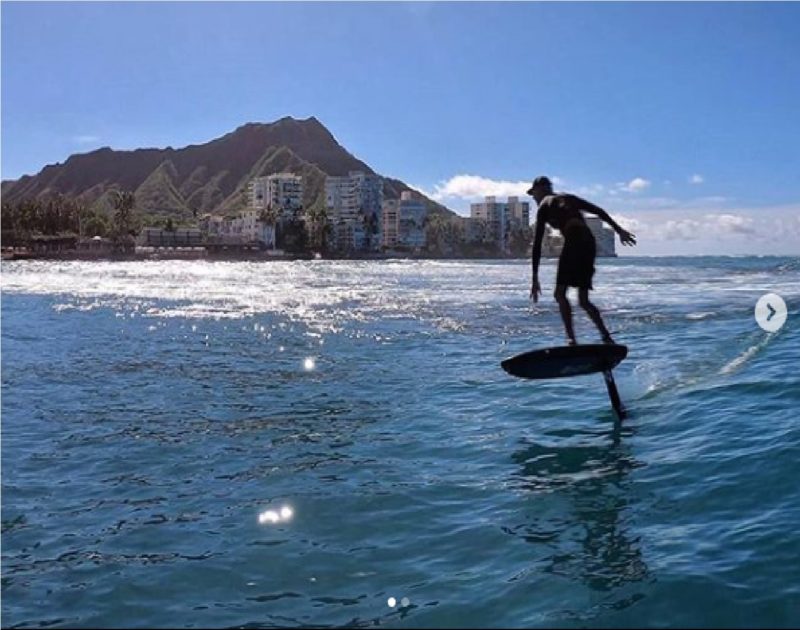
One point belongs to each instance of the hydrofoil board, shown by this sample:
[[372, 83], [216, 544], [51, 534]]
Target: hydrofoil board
[[562, 361]]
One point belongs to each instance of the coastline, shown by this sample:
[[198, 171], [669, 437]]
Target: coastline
[[246, 256]]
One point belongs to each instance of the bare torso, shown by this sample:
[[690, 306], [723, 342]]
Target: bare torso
[[562, 211]]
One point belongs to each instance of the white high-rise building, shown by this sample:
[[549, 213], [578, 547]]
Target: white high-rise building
[[355, 207], [338, 198], [519, 212], [494, 214], [391, 215], [403, 222], [281, 191], [348, 195], [501, 217], [239, 230]]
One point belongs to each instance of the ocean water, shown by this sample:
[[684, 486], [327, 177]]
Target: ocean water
[[192, 444]]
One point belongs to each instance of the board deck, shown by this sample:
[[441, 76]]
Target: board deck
[[562, 361]]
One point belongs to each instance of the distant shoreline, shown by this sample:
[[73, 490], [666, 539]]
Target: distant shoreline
[[240, 257], [261, 257]]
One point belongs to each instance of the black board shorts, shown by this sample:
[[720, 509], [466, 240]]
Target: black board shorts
[[576, 264]]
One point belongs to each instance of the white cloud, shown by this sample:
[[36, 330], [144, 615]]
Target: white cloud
[[696, 179], [637, 184], [739, 226], [693, 230], [731, 223], [630, 223], [681, 229], [708, 226], [86, 139], [475, 187]]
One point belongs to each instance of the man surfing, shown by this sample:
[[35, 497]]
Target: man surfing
[[576, 263]]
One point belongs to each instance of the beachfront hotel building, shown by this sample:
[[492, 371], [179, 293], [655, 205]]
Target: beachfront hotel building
[[403, 222], [603, 236], [391, 215], [283, 192], [353, 200], [247, 228], [519, 211], [501, 217]]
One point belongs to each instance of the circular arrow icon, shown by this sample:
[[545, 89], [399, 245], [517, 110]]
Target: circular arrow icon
[[770, 312]]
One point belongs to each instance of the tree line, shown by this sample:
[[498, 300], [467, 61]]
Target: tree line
[[63, 216]]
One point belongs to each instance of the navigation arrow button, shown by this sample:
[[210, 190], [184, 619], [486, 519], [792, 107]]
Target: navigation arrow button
[[770, 312]]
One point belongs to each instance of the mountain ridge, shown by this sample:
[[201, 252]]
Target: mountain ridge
[[204, 178]]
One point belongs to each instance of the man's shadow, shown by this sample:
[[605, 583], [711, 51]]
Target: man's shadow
[[581, 512]]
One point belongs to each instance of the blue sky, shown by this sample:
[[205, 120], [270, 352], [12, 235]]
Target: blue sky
[[682, 119]]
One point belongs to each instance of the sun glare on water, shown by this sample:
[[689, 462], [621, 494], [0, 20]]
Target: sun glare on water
[[276, 516]]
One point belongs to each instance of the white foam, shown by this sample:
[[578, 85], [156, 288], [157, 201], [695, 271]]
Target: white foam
[[701, 315], [748, 354]]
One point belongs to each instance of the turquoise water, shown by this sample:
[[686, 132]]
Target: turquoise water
[[157, 417]]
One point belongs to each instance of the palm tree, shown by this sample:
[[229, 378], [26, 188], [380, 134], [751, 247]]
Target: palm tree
[[318, 218], [268, 216], [78, 214], [31, 216], [343, 243], [434, 232], [520, 241], [373, 226], [362, 220], [95, 225], [124, 203], [11, 214], [454, 235]]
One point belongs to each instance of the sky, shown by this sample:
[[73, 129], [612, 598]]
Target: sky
[[681, 119]]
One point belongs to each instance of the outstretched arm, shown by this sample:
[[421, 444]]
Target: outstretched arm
[[624, 236], [536, 254]]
